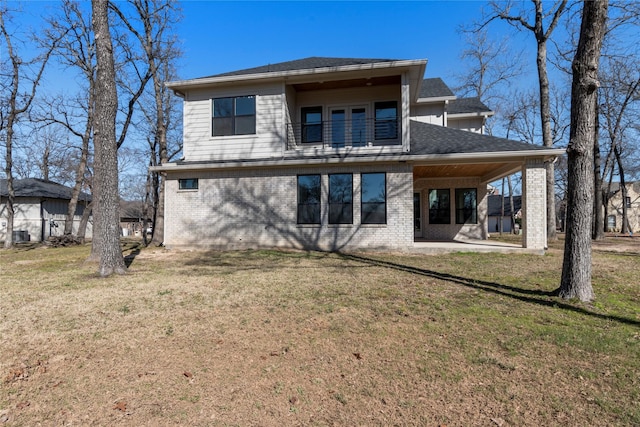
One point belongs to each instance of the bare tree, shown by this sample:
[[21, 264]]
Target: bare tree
[[542, 27], [153, 31], [106, 211], [21, 83], [576, 268]]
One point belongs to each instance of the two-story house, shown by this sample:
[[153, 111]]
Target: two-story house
[[339, 153]]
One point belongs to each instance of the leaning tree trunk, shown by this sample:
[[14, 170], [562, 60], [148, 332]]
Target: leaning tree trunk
[[576, 268], [625, 229], [598, 218], [106, 159]]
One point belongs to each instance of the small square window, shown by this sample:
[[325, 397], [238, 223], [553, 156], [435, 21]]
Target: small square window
[[188, 184]]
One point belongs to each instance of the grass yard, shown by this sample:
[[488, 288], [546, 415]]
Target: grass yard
[[276, 338]]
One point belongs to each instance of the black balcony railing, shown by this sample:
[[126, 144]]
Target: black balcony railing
[[344, 133]]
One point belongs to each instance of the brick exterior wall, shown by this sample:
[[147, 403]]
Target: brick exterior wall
[[257, 208], [453, 231], [534, 205]]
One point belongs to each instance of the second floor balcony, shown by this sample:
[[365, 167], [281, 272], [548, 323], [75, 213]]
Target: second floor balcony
[[341, 134]]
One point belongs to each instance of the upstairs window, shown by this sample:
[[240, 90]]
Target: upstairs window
[[466, 206], [341, 198], [439, 206], [234, 116], [627, 201], [374, 198], [311, 124], [386, 120], [309, 199]]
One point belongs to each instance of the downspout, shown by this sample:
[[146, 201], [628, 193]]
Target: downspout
[[445, 114]]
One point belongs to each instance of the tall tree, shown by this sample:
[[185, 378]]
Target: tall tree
[[576, 268], [542, 27], [152, 26], [21, 83], [106, 211]]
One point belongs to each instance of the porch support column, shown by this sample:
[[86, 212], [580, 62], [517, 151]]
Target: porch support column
[[534, 204], [405, 111]]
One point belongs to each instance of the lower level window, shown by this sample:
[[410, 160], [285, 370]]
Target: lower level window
[[188, 184], [309, 199], [341, 198], [439, 206], [374, 198], [466, 206]]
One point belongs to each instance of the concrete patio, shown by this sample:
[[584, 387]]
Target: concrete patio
[[440, 247]]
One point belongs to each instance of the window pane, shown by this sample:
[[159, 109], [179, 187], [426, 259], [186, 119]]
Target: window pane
[[312, 124], [223, 107], [386, 125], [188, 184], [358, 127], [466, 206], [246, 106], [338, 128], [374, 198], [340, 198], [439, 206], [309, 199], [245, 125], [222, 126]]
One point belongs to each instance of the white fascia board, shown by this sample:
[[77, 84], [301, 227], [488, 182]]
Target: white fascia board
[[467, 115], [186, 84], [435, 99], [429, 159]]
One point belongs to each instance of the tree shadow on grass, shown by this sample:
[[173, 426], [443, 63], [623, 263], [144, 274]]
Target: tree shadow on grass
[[525, 295]]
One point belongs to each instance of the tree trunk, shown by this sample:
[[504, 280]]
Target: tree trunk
[[11, 195], [598, 221], [106, 159], [82, 228], [513, 213], [623, 191], [576, 268]]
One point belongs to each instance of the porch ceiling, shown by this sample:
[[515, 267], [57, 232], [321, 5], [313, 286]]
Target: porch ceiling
[[486, 171], [327, 84]]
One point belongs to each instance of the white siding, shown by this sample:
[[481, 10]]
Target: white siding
[[268, 141], [430, 113], [472, 124]]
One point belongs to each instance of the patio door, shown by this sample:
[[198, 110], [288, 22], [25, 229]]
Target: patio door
[[348, 126]]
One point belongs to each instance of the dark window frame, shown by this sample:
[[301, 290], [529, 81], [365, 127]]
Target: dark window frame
[[302, 207], [188, 184], [385, 128], [466, 215], [440, 215], [340, 212], [366, 213], [311, 132], [234, 117]]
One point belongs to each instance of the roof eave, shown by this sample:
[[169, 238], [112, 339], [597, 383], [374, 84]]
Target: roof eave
[[483, 157], [434, 99], [180, 85], [474, 114]]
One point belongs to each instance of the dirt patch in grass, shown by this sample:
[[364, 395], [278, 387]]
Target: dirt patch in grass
[[302, 338]]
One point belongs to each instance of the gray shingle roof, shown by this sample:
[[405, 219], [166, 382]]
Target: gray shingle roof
[[467, 105], [33, 187], [433, 139], [495, 205], [303, 64], [434, 88]]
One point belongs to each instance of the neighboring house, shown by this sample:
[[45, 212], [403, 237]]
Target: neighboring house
[[495, 212], [40, 209], [132, 218], [339, 153], [614, 211]]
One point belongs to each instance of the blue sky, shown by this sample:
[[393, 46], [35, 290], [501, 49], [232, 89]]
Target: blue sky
[[226, 36], [220, 36]]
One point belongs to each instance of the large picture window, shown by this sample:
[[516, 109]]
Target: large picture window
[[386, 116], [374, 198], [311, 124], [439, 206], [341, 198], [466, 206], [234, 116], [309, 199]]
